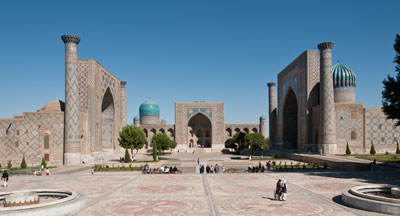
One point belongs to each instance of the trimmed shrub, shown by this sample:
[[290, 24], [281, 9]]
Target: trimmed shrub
[[397, 150], [23, 163], [127, 158], [348, 152], [9, 165], [43, 163], [372, 151]]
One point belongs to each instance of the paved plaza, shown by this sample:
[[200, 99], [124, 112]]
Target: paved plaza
[[132, 193]]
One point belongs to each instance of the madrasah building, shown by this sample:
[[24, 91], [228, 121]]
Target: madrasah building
[[314, 111]]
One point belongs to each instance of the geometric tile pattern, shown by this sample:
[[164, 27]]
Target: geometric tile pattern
[[381, 131], [24, 137], [327, 119], [72, 130]]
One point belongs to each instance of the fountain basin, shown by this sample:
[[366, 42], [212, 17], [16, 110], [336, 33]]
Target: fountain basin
[[52, 202], [374, 198], [20, 199]]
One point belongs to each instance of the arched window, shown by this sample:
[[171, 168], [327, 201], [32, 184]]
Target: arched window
[[145, 132], [246, 130], [254, 130], [229, 132], [46, 142], [353, 135]]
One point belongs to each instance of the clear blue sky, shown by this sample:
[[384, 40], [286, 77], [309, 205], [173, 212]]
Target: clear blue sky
[[190, 50]]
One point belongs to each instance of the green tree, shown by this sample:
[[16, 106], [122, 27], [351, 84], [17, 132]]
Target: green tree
[[161, 141], [23, 163], [172, 144], [255, 141], [348, 152], [238, 141], [43, 162], [397, 150], [132, 138], [372, 151], [391, 88], [127, 157]]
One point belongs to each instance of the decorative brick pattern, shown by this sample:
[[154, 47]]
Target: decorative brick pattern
[[24, 137]]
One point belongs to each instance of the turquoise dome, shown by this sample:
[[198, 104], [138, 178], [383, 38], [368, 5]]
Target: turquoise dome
[[136, 118], [149, 107], [343, 76], [263, 117]]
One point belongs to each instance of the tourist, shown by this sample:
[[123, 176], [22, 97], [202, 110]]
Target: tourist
[[162, 169], [370, 167], [249, 169], [278, 189], [202, 169], [47, 172], [269, 165], [273, 165], [259, 165], [198, 161], [4, 177], [166, 170], [216, 168], [223, 169], [262, 168], [92, 171], [374, 165], [207, 169], [284, 191]]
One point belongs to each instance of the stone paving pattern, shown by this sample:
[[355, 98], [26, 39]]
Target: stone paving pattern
[[131, 193]]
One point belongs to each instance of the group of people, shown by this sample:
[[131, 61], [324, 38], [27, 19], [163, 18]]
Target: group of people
[[209, 169], [163, 169], [281, 190], [261, 168]]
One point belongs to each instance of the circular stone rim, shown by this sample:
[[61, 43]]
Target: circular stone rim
[[72, 195]]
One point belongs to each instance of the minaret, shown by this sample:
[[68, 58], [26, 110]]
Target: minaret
[[123, 104], [272, 112], [72, 145], [262, 126], [327, 125]]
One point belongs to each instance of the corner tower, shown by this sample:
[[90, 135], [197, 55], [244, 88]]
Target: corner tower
[[327, 109], [72, 145]]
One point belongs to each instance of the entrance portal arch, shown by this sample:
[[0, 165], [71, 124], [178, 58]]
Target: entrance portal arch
[[290, 118], [201, 125], [107, 120]]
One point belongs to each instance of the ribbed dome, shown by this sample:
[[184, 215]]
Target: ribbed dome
[[149, 107], [343, 76], [136, 118], [263, 117], [54, 105]]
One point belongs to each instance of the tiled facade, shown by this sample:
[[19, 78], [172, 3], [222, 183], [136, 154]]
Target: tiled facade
[[354, 124], [94, 113], [220, 133]]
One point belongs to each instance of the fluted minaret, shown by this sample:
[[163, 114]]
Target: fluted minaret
[[272, 112], [72, 145], [123, 104], [327, 108]]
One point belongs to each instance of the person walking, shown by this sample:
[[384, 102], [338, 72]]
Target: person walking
[[4, 177], [198, 161], [284, 191], [278, 189], [47, 172], [202, 169], [92, 171], [211, 169]]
